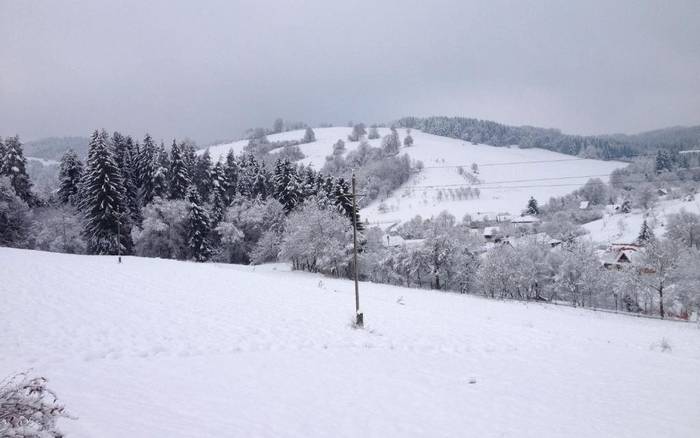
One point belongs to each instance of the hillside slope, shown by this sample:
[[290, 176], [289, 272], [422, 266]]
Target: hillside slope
[[507, 176], [165, 348]]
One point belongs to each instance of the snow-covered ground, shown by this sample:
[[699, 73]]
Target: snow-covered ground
[[624, 228], [507, 176], [155, 348]]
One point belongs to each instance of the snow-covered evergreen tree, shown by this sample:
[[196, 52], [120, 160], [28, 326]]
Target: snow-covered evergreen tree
[[231, 170], [197, 227], [145, 170], [286, 185], [102, 202], [219, 186], [179, 175], [262, 185], [645, 234], [123, 150], [373, 132], [14, 166], [203, 175], [159, 178], [532, 207], [69, 176]]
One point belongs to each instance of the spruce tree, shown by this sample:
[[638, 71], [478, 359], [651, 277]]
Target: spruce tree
[[231, 170], [373, 132], [261, 186], [532, 207], [248, 173], [203, 175], [2, 152], [145, 171], [645, 234], [123, 149], [286, 185], [159, 179], [179, 173], [219, 193], [197, 227], [106, 225], [343, 201], [70, 173], [14, 166]]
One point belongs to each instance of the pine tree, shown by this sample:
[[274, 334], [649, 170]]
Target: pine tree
[[145, 171], [248, 173], [102, 201], [203, 175], [663, 161], [309, 136], [532, 207], [197, 227], [14, 166], [179, 173], [373, 132], [343, 201], [189, 152], [70, 173], [219, 193], [309, 186], [645, 234], [261, 186], [286, 185], [231, 170], [3, 151], [123, 149], [159, 178]]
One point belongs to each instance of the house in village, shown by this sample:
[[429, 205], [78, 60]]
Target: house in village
[[492, 234], [620, 255], [525, 220]]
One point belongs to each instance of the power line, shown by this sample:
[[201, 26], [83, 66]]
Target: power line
[[490, 183], [504, 163]]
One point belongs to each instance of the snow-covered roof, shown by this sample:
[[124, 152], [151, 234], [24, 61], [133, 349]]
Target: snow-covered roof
[[526, 219], [583, 205]]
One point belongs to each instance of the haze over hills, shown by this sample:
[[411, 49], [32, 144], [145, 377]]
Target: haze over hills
[[674, 138]]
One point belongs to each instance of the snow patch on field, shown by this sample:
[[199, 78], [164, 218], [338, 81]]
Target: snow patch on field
[[164, 348]]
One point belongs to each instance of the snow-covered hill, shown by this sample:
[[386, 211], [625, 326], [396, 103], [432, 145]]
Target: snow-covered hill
[[154, 348], [507, 177], [624, 228]]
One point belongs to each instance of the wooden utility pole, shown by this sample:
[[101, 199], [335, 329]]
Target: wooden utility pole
[[359, 321]]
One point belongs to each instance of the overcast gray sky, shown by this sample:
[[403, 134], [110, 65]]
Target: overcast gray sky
[[209, 69]]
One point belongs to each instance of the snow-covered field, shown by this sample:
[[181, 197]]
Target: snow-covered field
[[507, 176], [624, 228], [159, 348]]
